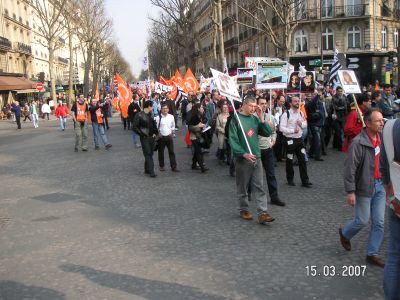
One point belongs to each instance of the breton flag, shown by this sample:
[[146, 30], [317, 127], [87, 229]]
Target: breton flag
[[180, 95], [333, 76]]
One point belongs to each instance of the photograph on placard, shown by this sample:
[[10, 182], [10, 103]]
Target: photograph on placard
[[226, 85], [349, 82]]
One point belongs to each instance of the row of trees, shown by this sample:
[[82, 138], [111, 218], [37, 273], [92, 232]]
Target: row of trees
[[87, 28], [173, 34]]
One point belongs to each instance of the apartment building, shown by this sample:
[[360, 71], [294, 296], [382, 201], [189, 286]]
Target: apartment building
[[366, 31]]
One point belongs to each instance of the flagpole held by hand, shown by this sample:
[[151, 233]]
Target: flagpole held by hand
[[241, 127]]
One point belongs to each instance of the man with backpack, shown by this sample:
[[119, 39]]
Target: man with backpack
[[292, 124]]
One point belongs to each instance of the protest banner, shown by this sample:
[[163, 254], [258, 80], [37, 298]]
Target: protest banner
[[226, 86], [245, 76], [272, 75]]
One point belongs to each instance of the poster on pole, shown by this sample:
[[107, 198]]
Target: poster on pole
[[272, 75], [349, 82], [226, 86], [245, 76], [251, 62], [298, 84]]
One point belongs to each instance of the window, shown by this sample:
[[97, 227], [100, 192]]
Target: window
[[6, 12], [327, 39], [20, 20], [14, 16], [354, 37], [396, 38], [300, 41], [300, 7], [327, 8], [384, 37]]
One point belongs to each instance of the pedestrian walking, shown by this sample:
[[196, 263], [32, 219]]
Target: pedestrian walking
[[267, 154], [196, 124], [79, 113], [16, 109], [145, 126], [292, 125], [166, 131], [96, 115], [34, 113], [46, 111], [249, 169], [61, 113], [364, 187]]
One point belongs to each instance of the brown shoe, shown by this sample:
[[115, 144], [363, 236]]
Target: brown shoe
[[246, 215], [375, 260], [265, 218], [162, 169], [345, 242]]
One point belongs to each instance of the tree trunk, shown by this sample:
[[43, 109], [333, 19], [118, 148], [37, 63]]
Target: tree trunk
[[71, 68], [215, 33], [220, 35], [51, 71], [88, 64], [95, 68]]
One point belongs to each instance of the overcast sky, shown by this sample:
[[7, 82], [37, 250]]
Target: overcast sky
[[130, 18]]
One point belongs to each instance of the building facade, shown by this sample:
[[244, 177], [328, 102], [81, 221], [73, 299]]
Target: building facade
[[366, 31]]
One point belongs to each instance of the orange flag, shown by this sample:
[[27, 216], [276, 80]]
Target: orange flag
[[178, 80], [190, 81], [124, 96]]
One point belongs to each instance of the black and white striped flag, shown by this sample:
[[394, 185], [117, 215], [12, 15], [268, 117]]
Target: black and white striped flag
[[180, 95], [333, 76]]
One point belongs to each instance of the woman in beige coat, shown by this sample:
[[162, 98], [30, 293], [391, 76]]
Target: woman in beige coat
[[220, 130]]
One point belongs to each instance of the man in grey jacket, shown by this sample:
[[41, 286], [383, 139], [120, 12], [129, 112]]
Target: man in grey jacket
[[364, 187]]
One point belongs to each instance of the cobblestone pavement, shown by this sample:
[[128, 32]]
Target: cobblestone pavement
[[91, 226]]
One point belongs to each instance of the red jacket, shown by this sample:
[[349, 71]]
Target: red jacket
[[61, 111], [352, 128]]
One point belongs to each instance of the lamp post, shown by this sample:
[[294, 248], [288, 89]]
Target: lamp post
[[320, 28]]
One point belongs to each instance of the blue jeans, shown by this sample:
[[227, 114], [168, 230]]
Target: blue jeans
[[135, 138], [364, 208], [98, 129], [391, 281], [63, 121]]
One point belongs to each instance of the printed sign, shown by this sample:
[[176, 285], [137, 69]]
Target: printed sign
[[226, 85], [245, 76], [349, 82], [272, 75], [251, 62], [162, 88], [296, 84]]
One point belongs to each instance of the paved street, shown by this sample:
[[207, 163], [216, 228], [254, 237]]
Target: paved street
[[91, 226]]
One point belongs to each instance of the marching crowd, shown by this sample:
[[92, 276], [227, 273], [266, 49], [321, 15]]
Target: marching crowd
[[265, 128]]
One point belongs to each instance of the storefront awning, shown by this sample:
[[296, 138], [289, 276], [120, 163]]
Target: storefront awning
[[11, 83], [27, 91]]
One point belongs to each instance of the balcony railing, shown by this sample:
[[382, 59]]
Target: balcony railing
[[5, 44], [333, 12], [23, 48], [231, 42], [62, 60]]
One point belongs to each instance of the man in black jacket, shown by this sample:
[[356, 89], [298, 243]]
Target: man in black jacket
[[133, 109], [145, 126]]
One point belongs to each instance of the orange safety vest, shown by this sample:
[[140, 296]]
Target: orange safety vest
[[99, 116], [80, 112]]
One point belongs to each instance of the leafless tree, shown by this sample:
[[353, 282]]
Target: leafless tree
[[93, 24], [51, 27], [277, 19]]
